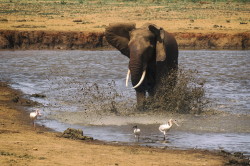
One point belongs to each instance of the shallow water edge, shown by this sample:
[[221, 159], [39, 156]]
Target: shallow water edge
[[60, 75]]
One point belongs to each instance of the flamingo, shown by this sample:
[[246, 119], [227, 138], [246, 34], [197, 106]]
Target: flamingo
[[137, 132], [164, 128], [33, 115]]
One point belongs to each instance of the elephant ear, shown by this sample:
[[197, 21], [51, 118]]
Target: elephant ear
[[117, 35], [160, 45]]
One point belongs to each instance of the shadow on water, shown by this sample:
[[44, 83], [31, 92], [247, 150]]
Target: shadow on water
[[86, 89]]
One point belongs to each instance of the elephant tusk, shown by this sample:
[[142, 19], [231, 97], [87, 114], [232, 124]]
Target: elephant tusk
[[127, 78], [141, 80]]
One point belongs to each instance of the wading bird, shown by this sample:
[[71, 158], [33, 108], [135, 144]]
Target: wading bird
[[137, 132], [33, 115], [164, 128]]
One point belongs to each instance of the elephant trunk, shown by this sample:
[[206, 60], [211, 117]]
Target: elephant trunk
[[137, 74], [136, 69]]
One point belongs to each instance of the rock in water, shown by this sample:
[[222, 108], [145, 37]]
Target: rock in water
[[76, 134]]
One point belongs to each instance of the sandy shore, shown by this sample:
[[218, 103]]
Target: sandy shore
[[22, 144]]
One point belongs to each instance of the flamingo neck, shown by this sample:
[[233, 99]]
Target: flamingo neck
[[170, 123]]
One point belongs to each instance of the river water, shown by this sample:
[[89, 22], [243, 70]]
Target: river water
[[70, 78]]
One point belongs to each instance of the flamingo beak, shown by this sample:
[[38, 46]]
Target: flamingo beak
[[176, 123]]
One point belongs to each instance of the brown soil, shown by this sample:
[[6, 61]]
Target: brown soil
[[22, 144], [66, 24], [51, 40]]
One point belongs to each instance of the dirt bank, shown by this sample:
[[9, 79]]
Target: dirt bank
[[21, 144], [10, 39], [235, 41], [50, 40]]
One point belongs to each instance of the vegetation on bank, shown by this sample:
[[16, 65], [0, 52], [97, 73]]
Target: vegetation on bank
[[94, 15], [153, 1], [117, 1]]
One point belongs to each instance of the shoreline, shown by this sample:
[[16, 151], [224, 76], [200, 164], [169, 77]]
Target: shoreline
[[21, 144], [80, 40]]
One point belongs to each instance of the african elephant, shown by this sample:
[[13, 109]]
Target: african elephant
[[153, 54]]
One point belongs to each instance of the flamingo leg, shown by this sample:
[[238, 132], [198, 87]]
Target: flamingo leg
[[34, 124]]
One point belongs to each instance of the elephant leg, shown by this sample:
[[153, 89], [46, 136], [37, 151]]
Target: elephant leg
[[151, 94], [141, 99]]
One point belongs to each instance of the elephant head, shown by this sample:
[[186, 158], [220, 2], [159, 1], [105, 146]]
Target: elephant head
[[151, 50]]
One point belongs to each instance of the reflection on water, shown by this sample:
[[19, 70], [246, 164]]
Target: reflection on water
[[61, 75]]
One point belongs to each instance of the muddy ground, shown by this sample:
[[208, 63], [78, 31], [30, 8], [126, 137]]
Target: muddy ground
[[22, 144]]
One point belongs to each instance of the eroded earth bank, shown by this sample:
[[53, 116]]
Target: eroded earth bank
[[11, 39]]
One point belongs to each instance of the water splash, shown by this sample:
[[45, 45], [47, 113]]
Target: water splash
[[187, 96]]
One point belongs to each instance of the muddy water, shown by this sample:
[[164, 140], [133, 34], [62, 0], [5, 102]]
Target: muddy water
[[70, 78]]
